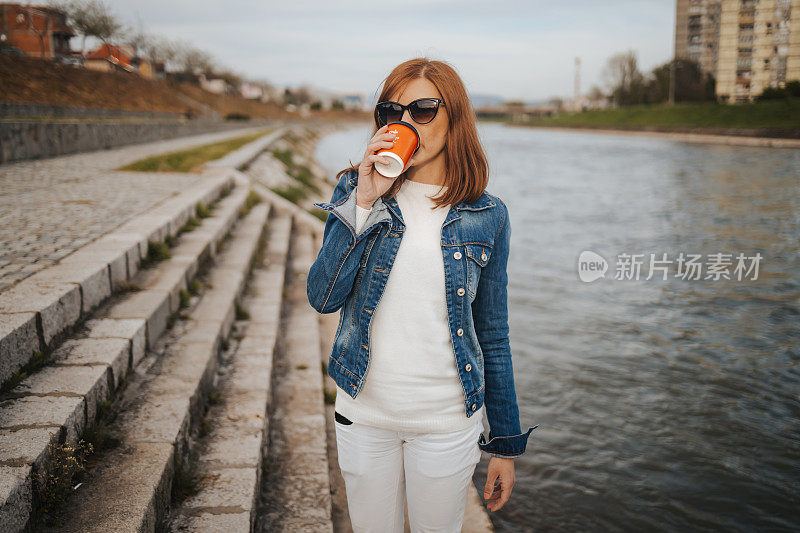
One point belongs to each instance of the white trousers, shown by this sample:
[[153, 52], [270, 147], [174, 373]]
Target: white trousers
[[382, 467]]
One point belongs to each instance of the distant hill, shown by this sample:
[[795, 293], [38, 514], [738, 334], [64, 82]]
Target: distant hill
[[484, 100]]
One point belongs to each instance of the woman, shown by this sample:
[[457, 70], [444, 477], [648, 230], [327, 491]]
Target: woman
[[421, 283]]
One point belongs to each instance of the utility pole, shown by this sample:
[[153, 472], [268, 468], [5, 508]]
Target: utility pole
[[672, 82], [578, 103], [671, 97]]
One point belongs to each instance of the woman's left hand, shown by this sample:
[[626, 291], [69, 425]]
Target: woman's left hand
[[502, 470]]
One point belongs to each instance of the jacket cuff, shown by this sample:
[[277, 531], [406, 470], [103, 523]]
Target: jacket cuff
[[346, 211], [506, 446], [361, 217]]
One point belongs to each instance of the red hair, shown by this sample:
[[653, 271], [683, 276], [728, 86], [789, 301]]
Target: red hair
[[466, 166]]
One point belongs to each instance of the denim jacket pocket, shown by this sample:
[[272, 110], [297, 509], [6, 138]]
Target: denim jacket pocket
[[478, 255]]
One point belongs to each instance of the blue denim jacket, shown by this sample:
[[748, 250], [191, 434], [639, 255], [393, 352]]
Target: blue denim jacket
[[350, 273]]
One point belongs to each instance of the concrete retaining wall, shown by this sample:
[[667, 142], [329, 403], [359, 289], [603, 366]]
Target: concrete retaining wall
[[29, 110], [22, 140]]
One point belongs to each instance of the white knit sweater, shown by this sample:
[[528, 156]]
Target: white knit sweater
[[411, 382]]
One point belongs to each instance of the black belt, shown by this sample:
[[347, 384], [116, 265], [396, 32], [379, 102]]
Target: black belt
[[341, 419]]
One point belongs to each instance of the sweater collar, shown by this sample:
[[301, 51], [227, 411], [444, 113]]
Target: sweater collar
[[484, 200]]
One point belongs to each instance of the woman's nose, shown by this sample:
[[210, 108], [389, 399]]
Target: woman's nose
[[406, 116]]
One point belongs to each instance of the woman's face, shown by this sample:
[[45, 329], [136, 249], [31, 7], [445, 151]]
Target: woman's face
[[432, 135]]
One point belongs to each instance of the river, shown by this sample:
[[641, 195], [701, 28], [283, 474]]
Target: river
[[663, 405]]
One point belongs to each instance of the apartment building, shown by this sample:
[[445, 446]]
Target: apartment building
[[697, 32], [748, 45]]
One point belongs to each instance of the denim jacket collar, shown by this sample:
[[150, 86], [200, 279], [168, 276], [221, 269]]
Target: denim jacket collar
[[484, 201]]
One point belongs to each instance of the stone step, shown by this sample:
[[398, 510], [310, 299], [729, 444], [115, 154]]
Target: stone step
[[129, 487], [230, 457], [41, 310], [297, 490], [56, 403]]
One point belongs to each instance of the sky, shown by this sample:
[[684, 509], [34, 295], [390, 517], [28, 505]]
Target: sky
[[521, 50]]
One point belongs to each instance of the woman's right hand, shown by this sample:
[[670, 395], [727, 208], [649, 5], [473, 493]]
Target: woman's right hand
[[371, 183]]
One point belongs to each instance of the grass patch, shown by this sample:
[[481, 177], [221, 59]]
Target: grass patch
[[156, 251], [184, 297], [202, 210], [261, 251], [194, 287], [36, 362], [284, 156], [191, 159], [215, 398], [330, 396], [185, 482], [303, 174], [98, 433], [129, 287], [242, 313], [319, 213], [252, 199], [190, 225], [769, 114], [55, 482], [293, 193]]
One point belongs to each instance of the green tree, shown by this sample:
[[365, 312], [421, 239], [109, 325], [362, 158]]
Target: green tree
[[692, 84]]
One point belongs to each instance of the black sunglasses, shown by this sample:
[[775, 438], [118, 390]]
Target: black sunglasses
[[422, 110]]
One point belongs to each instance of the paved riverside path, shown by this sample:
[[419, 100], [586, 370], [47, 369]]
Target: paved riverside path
[[51, 207]]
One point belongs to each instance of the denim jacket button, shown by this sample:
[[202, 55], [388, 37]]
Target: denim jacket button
[[483, 256], [468, 367], [460, 291], [460, 332], [473, 407], [457, 255]]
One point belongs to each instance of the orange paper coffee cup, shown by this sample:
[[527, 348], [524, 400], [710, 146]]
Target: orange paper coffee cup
[[399, 155]]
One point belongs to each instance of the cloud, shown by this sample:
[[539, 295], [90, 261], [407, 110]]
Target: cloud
[[518, 49]]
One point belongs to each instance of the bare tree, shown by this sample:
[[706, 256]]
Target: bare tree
[[595, 94], [623, 78], [230, 76], [136, 37], [91, 18], [192, 60], [262, 82], [298, 96], [302, 95], [160, 49], [104, 24]]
